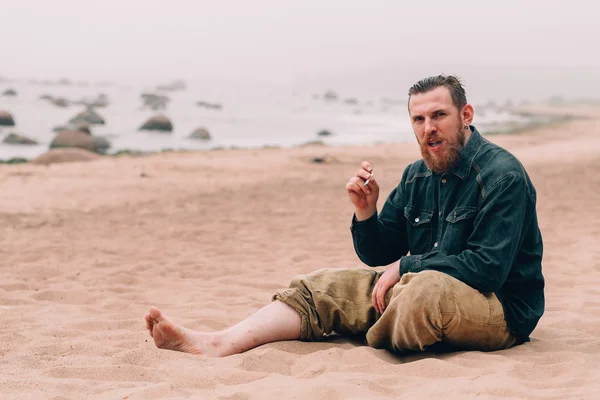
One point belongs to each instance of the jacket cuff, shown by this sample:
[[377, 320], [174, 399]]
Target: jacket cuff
[[410, 264], [364, 226]]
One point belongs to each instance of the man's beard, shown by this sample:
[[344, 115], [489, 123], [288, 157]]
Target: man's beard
[[450, 158]]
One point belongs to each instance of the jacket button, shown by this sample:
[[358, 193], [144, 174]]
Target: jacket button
[[435, 244], [444, 180], [417, 219]]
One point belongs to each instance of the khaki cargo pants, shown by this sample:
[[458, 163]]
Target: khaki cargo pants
[[422, 310]]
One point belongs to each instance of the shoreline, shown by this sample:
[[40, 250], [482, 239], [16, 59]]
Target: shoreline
[[540, 115]]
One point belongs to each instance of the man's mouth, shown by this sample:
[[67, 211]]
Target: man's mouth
[[434, 143]]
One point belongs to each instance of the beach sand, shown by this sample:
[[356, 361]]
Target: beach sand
[[87, 248]]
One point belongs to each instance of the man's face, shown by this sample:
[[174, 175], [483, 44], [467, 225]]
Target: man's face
[[439, 128]]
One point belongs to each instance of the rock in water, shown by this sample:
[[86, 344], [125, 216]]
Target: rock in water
[[212, 106], [330, 95], [74, 139], [155, 101], [60, 102], [83, 127], [100, 101], [13, 138], [173, 86], [6, 119], [157, 123], [102, 144], [9, 92], [200, 133], [324, 132], [89, 116]]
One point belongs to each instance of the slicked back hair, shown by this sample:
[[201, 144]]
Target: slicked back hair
[[453, 83]]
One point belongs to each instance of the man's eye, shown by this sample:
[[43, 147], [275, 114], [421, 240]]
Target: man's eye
[[440, 114]]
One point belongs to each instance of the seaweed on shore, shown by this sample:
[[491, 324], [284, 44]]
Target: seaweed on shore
[[15, 160]]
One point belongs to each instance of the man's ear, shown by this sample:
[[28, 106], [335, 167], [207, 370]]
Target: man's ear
[[468, 113]]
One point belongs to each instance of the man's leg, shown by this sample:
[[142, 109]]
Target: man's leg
[[314, 305], [272, 323], [332, 300], [431, 307]]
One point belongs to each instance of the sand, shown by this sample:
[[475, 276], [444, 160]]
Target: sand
[[87, 247]]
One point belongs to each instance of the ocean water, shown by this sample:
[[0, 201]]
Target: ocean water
[[252, 116]]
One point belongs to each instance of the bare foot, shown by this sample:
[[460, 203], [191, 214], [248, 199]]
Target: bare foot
[[168, 335]]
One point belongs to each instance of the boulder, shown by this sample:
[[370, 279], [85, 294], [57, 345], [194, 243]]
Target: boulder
[[65, 155], [13, 138], [60, 102], [102, 144], [83, 127], [154, 101], [6, 119], [98, 102], [157, 123], [9, 92], [89, 116], [200, 133], [172, 86], [210, 106], [74, 139], [330, 95]]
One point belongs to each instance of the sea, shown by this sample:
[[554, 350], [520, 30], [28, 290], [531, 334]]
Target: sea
[[250, 115]]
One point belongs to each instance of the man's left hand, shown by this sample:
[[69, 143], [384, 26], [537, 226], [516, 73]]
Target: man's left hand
[[385, 283]]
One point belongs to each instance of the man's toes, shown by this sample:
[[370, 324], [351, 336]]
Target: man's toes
[[157, 314], [148, 318]]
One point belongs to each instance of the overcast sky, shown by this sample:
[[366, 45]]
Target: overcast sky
[[289, 40]]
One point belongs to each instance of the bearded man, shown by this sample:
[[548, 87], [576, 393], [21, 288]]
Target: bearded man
[[463, 225]]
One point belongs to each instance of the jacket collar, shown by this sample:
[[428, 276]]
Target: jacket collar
[[468, 153]]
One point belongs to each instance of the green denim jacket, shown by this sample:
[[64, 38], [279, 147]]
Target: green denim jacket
[[477, 223]]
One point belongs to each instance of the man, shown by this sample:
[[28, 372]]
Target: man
[[473, 280]]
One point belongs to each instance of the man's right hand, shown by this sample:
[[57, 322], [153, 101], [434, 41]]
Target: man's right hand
[[364, 198]]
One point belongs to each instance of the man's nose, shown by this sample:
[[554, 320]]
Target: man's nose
[[429, 126]]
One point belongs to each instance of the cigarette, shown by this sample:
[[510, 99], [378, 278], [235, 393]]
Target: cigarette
[[368, 180]]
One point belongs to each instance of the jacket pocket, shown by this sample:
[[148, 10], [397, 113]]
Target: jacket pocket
[[419, 229], [459, 226]]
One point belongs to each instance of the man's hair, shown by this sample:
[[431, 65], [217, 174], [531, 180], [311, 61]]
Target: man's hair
[[453, 83]]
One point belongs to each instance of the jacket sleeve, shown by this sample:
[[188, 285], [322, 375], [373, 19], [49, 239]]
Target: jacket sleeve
[[381, 239], [491, 247]]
